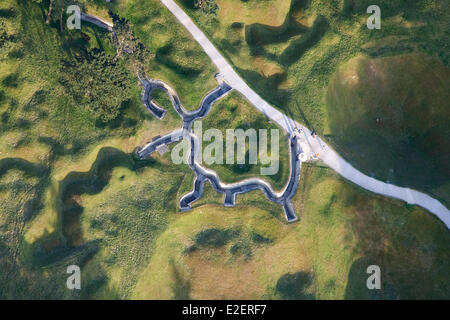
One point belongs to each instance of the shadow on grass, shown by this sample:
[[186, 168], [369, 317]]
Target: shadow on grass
[[181, 287], [32, 206], [267, 87], [293, 286], [165, 55], [91, 182], [7, 13], [298, 47], [257, 34], [11, 81]]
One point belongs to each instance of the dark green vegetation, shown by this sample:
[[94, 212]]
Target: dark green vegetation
[[126, 43], [292, 65], [98, 82]]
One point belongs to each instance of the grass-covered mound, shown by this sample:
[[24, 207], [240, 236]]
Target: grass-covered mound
[[389, 117]]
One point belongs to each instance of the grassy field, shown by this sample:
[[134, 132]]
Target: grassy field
[[218, 253], [293, 63]]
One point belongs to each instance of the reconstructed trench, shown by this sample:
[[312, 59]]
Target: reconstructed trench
[[202, 174]]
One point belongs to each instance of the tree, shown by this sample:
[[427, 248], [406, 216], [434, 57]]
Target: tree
[[56, 12], [98, 83], [49, 13], [54, 6]]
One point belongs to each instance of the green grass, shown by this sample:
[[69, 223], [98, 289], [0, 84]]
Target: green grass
[[127, 216]]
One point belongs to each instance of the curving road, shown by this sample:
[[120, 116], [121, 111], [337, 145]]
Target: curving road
[[202, 174], [312, 145]]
